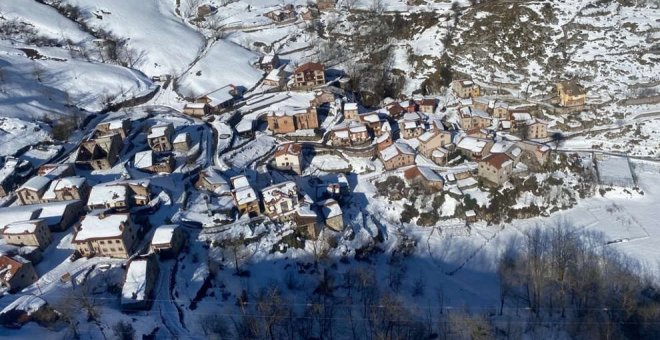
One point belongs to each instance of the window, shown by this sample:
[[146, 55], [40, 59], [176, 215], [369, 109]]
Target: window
[[112, 249], [117, 241]]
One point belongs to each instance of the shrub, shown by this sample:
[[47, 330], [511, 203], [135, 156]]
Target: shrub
[[409, 212]]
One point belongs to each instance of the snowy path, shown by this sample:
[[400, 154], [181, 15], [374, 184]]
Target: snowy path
[[168, 312]]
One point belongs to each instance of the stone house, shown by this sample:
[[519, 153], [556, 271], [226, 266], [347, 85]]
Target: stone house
[[332, 214], [432, 140], [464, 88], [197, 109], [473, 119], [101, 234], [67, 189], [383, 141], [168, 240], [373, 123], [137, 293], [280, 200], [397, 155], [308, 75], [245, 197], [501, 110], [33, 190], [100, 153], [351, 111], [424, 176], [276, 78], [269, 62], [428, 105], [571, 94], [291, 119], [148, 162], [474, 148], [324, 5], [496, 168], [160, 137], [439, 156], [289, 157], [28, 233], [306, 220], [210, 180], [55, 170], [16, 273], [182, 142], [119, 126], [395, 110], [57, 215], [537, 129], [282, 14], [349, 133]]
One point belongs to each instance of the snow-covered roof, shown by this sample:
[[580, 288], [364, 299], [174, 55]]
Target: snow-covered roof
[[330, 208], [96, 225], [268, 58], [358, 128], [426, 136], [410, 125], [143, 159], [74, 182], [350, 107], [27, 303], [341, 134], [102, 194], [245, 195], [395, 149], [472, 144], [499, 104], [386, 126], [276, 191], [135, 285], [274, 75], [181, 138], [440, 152], [158, 130], [370, 117], [470, 213], [239, 182], [521, 116], [22, 227], [502, 146], [413, 116], [36, 183], [467, 182], [480, 113], [195, 106], [429, 174], [385, 136], [288, 111], [50, 212], [163, 234]]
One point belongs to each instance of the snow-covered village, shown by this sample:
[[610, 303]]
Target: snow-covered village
[[329, 169]]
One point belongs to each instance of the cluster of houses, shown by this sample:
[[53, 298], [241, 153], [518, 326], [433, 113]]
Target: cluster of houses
[[102, 215], [282, 202]]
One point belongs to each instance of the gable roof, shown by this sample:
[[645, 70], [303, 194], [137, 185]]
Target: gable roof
[[498, 160], [309, 67]]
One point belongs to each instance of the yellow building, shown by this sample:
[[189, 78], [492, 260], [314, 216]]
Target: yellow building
[[571, 93]]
